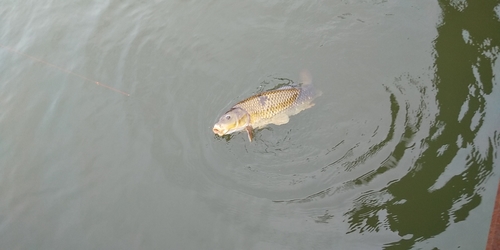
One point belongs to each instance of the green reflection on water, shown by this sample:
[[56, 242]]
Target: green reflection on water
[[466, 48]]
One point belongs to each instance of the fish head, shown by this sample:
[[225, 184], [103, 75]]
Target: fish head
[[235, 119]]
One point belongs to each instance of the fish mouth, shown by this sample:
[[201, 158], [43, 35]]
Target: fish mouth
[[218, 130]]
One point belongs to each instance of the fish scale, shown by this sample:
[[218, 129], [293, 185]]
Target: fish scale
[[268, 104]]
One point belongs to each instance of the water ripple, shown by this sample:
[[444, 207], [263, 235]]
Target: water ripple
[[284, 165]]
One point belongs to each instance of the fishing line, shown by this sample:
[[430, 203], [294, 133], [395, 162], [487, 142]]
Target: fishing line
[[64, 70]]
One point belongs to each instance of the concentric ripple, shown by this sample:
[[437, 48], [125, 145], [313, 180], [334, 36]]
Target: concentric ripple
[[285, 164]]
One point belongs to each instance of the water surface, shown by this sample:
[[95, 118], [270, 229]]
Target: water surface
[[400, 151]]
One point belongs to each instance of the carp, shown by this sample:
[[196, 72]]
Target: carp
[[270, 107]]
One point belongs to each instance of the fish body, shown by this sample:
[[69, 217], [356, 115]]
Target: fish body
[[270, 107]]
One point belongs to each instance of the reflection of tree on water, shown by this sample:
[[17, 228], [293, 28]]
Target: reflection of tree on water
[[419, 206]]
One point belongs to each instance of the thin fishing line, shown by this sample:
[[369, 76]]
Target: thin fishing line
[[64, 70]]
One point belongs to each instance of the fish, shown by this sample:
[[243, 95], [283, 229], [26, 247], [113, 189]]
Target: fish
[[269, 107]]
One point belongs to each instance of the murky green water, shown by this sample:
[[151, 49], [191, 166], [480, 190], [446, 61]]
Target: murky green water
[[400, 151]]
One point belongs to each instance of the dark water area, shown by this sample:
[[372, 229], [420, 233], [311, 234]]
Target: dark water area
[[399, 152], [464, 82]]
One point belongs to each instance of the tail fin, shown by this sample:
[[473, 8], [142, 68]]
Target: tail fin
[[308, 90], [305, 77]]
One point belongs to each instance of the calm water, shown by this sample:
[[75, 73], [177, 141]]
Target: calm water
[[400, 151]]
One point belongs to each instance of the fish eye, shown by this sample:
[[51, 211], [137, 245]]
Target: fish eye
[[228, 117]]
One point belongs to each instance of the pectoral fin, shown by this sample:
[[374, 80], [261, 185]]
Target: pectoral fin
[[249, 130], [280, 119]]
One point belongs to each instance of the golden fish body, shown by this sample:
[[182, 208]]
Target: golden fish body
[[270, 107], [263, 107]]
